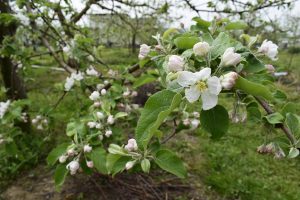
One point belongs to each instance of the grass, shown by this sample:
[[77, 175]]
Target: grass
[[230, 166]]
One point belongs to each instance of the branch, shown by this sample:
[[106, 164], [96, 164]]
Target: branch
[[269, 110], [76, 17]]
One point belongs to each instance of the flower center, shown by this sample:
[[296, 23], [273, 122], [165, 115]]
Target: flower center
[[201, 85]]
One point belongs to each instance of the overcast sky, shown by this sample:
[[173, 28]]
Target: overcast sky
[[184, 15]]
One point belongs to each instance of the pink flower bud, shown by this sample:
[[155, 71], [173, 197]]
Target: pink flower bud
[[73, 166], [90, 164], [108, 133], [201, 48], [62, 158], [131, 145], [87, 148], [144, 51], [175, 63], [270, 68], [230, 58], [228, 80], [129, 165]]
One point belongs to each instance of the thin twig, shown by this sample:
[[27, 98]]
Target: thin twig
[[269, 110]]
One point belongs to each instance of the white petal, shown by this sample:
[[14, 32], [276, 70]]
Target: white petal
[[203, 74], [186, 78], [209, 100], [192, 94], [214, 85]]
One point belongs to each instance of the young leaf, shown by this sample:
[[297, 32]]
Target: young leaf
[[292, 122], [294, 152], [145, 164], [274, 118], [60, 176], [215, 121], [184, 42], [236, 25], [56, 153], [98, 156], [156, 110], [168, 161], [147, 78], [116, 163]]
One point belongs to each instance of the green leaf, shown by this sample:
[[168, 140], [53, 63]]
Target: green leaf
[[116, 163], [169, 162], [145, 164], [186, 42], [274, 118], [289, 108], [98, 156], [120, 115], [156, 110], [292, 122], [60, 176], [294, 152], [236, 25], [56, 153], [253, 64], [168, 33], [71, 129], [144, 79], [201, 22], [215, 121], [253, 114]]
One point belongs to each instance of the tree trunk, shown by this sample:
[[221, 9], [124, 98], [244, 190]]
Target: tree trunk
[[133, 43], [12, 81]]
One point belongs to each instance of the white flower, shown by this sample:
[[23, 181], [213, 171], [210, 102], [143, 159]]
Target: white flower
[[90, 164], [196, 114], [91, 71], [66, 49], [98, 126], [40, 127], [34, 121], [100, 137], [69, 84], [131, 145], [99, 115], [62, 158], [73, 166], [134, 93], [87, 148], [103, 92], [45, 121], [108, 133], [97, 103], [144, 51], [129, 165], [200, 84], [110, 119], [71, 152], [228, 80], [186, 122], [201, 48], [270, 68], [91, 124], [175, 63], [100, 86], [195, 123], [126, 93], [95, 96], [230, 58], [77, 76], [38, 117], [106, 82], [269, 49]]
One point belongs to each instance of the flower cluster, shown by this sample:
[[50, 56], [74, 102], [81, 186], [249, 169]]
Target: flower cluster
[[40, 122], [191, 120], [70, 81], [3, 108]]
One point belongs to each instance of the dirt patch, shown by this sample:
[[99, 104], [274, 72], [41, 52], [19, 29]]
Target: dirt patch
[[39, 185]]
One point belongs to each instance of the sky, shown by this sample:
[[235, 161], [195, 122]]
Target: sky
[[186, 14]]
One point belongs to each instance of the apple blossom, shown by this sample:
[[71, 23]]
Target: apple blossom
[[108, 133], [144, 51], [87, 148], [269, 49], [71, 152], [91, 124], [270, 68], [106, 82], [228, 80], [91, 71], [201, 48], [103, 92], [229, 57], [97, 103], [98, 126], [200, 84], [73, 166], [62, 158], [77, 76], [129, 165], [196, 114], [95, 96], [195, 123], [186, 122], [110, 119], [99, 115], [175, 63], [69, 84], [131, 145], [40, 127], [90, 164]]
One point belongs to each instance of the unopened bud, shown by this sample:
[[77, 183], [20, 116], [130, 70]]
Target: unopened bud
[[230, 58], [201, 49], [228, 80], [175, 63]]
